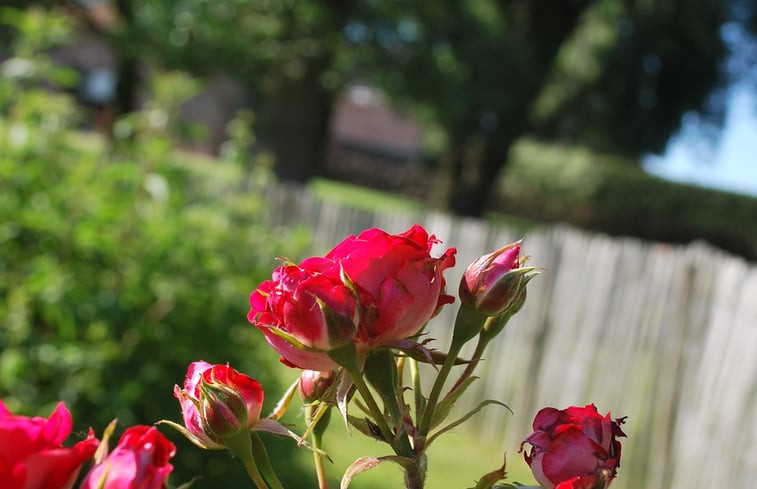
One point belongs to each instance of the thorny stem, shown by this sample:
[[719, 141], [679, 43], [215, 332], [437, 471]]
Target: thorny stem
[[415, 474]]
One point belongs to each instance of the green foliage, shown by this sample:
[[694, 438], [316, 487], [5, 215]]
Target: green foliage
[[607, 193], [118, 269]]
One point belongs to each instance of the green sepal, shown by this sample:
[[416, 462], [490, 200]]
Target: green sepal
[[189, 436], [102, 448], [216, 398], [286, 399], [340, 329]]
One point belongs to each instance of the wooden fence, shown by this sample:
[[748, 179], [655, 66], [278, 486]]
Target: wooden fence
[[666, 335]]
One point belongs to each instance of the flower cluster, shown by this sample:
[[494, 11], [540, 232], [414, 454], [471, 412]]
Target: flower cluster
[[353, 321], [32, 455]]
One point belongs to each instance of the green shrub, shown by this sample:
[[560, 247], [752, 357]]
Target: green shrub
[[118, 270], [606, 193]]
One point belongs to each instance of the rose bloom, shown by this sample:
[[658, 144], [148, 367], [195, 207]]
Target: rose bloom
[[573, 448], [31, 452], [200, 424], [370, 289], [139, 461]]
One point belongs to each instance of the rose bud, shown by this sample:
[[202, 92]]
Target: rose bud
[[223, 412], [492, 289], [369, 290], [494, 283], [574, 448], [218, 403], [139, 461], [314, 383], [31, 452]]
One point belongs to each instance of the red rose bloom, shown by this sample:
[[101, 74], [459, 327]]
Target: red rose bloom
[[31, 452], [370, 289], [573, 448], [139, 461]]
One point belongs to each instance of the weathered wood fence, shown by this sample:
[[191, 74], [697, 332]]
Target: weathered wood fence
[[666, 335]]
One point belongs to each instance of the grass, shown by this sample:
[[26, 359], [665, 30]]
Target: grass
[[456, 461], [363, 197]]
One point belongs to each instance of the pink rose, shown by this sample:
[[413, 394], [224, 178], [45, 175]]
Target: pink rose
[[139, 461], [217, 402], [370, 289], [31, 452], [574, 448]]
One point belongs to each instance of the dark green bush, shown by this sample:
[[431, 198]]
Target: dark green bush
[[118, 270], [605, 193]]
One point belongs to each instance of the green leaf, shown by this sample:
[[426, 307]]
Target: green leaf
[[366, 427], [320, 411], [444, 407], [276, 428], [467, 416], [363, 464], [488, 480], [260, 455]]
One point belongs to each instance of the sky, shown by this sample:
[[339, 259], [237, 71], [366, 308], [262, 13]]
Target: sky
[[732, 162]]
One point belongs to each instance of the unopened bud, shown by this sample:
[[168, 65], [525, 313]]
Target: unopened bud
[[495, 283], [223, 412], [314, 383]]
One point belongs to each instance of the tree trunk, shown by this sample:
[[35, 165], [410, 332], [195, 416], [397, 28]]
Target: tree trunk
[[127, 72], [474, 175], [296, 121]]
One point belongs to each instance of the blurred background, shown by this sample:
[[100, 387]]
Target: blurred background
[[156, 156]]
